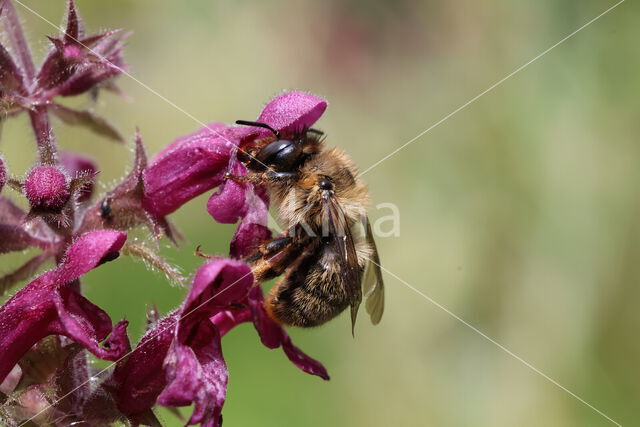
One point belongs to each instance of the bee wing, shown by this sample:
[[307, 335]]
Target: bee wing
[[345, 249], [372, 284]]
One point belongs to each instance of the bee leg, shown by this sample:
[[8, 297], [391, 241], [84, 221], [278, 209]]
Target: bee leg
[[262, 177], [280, 176], [273, 258], [256, 178], [269, 248]]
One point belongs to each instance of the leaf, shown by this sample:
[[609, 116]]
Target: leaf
[[88, 120]]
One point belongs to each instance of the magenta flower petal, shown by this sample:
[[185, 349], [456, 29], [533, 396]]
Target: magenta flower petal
[[253, 229], [244, 201], [217, 284], [273, 335], [138, 380], [51, 305], [301, 360], [196, 373], [293, 111], [195, 163], [77, 315], [228, 204], [194, 366], [229, 319], [247, 238], [179, 362], [188, 167]]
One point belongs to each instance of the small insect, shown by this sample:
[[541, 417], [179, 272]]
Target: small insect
[[325, 265], [105, 208]]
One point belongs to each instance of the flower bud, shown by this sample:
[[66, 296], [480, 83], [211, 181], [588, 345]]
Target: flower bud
[[3, 174], [47, 187]]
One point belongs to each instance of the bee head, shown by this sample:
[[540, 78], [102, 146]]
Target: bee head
[[283, 155]]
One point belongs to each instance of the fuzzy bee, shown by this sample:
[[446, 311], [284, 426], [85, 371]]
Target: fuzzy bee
[[325, 264]]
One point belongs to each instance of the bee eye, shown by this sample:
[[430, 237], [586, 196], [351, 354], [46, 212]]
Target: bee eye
[[283, 155], [325, 184]]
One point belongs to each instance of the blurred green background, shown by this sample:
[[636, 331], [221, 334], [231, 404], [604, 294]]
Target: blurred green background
[[520, 214]]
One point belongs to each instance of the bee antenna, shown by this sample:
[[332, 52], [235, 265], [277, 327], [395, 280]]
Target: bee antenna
[[258, 124], [316, 131]]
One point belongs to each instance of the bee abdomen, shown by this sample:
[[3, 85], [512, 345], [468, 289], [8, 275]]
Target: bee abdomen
[[303, 307]]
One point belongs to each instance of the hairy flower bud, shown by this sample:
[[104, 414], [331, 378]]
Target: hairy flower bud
[[3, 174], [47, 187]]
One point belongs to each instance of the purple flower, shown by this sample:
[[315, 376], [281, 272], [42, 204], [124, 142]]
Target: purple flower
[[196, 163], [186, 345], [51, 304], [76, 62], [123, 207], [271, 334], [187, 167], [180, 362], [46, 326], [246, 202]]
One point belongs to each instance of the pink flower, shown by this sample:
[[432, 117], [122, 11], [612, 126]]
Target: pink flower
[[180, 362], [196, 163], [271, 334], [51, 304], [77, 62]]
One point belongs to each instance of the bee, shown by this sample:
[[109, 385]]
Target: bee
[[324, 263]]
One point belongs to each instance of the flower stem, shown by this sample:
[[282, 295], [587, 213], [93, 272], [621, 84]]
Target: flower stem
[[44, 135], [39, 116], [18, 40]]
